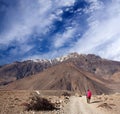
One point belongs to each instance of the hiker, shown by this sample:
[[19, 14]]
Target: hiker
[[88, 95]]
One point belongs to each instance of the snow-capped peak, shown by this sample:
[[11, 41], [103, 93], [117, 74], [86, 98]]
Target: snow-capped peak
[[58, 59], [40, 60], [63, 58]]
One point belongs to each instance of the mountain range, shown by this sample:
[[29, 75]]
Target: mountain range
[[73, 72]]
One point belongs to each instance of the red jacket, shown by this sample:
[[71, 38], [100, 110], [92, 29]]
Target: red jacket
[[89, 94]]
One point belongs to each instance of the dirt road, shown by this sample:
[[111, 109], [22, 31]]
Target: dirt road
[[14, 102], [78, 105]]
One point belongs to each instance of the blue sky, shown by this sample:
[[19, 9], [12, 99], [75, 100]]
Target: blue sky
[[39, 29]]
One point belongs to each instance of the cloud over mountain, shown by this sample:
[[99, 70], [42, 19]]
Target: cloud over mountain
[[35, 29]]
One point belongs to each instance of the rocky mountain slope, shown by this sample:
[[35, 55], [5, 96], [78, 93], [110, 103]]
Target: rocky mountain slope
[[18, 70], [91, 63], [65, 76], [74, 72]]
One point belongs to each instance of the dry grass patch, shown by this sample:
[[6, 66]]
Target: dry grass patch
[[40, 104]]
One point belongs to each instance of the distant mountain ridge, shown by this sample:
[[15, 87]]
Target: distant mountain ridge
[[64, 76], [90, 63]]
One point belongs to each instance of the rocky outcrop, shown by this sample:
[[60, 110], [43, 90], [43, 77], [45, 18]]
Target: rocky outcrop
[[18, 70]]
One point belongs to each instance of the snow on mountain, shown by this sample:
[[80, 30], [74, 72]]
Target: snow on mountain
[[58, 59]]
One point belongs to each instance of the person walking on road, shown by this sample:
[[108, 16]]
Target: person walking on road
[[88, 95]]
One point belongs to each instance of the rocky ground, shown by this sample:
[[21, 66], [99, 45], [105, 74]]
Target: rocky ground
[[16, 102]]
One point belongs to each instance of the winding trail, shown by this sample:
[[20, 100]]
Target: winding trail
[[78, 105]]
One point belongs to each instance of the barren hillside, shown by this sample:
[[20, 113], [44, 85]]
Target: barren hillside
[[65, 76], [90, 63]]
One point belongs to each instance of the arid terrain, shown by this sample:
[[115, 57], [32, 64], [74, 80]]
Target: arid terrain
[[59, 86], [16, 102], [64, 76]]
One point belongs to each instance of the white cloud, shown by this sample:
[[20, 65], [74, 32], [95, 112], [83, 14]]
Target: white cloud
[[59, 12], [94, 5], [20, 50], [61, 39], [112, 50], [31, 15], [64, 2], [102, 37], [104, 31]]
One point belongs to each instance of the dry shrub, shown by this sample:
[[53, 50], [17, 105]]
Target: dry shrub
[[40, 104]]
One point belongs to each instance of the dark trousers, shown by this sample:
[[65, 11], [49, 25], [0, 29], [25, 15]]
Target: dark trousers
[[88, 100]]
